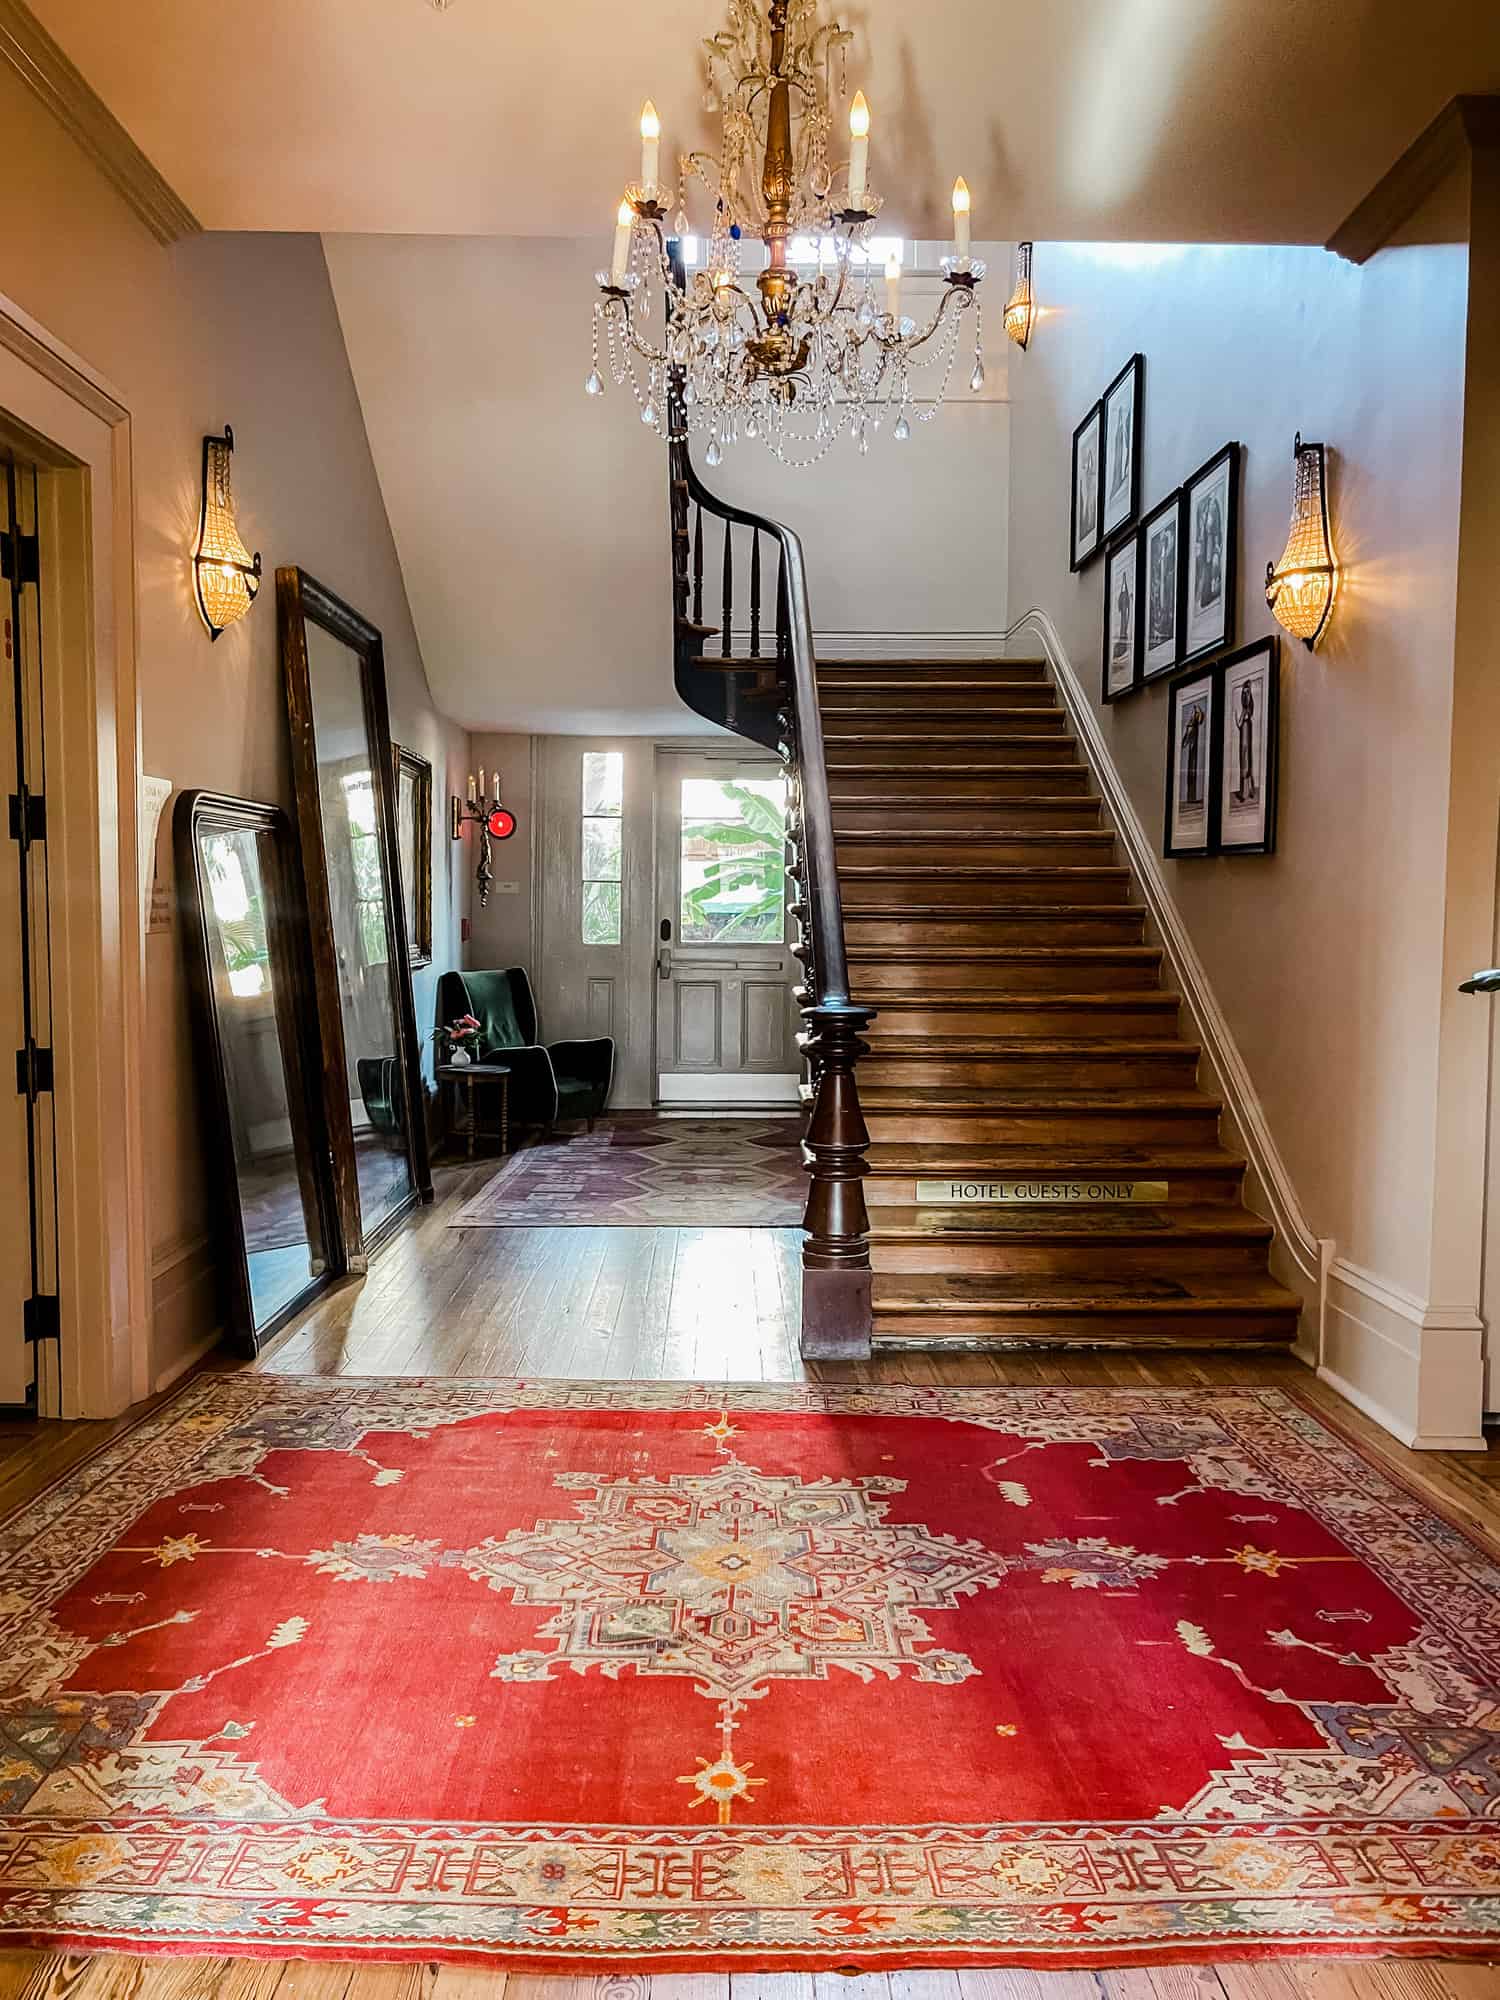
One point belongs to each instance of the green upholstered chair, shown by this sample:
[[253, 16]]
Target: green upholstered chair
[[564, 1080]]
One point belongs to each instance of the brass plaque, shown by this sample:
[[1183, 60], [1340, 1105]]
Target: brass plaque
[[1038, 1193]]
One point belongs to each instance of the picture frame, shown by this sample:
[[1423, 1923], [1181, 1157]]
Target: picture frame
[[1121, 663], [1191, 817], [1163, 586], [1123, 407], [1249, 731], [1087, 489], [413, 781], [1211, 539]]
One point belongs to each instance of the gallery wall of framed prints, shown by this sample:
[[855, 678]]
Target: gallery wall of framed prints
[[1106, 481], [1223, 754]]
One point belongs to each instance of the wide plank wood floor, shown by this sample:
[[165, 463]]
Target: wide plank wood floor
[[669, 1304]]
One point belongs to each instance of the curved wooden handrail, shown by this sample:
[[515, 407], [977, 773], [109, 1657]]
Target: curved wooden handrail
[[773, 700]]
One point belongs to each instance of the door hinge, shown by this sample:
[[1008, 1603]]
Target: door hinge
[[41, 1319], [20, 558], [33, 1071], [28, 816]]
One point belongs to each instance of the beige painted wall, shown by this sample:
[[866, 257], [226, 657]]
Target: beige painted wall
[[1327, 959], [217, 329]]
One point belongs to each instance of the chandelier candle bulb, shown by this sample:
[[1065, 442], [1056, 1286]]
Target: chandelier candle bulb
[[624, 220], [962, 223], [859, 150], [650, 147], [893, 289]]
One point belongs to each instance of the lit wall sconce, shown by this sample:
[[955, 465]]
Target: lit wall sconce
[[1300, 589], [1020, 307], [226, 577], [483, 809]]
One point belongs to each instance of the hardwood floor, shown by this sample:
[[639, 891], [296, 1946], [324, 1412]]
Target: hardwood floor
[[655, 1304]]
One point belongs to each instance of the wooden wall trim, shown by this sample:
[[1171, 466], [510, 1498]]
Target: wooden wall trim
[[1462, 126], [88, 121]]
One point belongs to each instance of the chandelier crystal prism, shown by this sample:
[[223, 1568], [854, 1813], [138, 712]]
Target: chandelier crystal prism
[[753, 346]]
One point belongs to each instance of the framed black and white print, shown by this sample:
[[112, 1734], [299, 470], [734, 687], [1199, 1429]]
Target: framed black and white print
[[1088, 486], [1192, 738], [1161, 588], [1211, 510], [1122, 446], [1122, 618], [1249, 736]]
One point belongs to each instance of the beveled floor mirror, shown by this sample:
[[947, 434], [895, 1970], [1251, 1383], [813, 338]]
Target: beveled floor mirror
[[333, 667], [255, 1030]]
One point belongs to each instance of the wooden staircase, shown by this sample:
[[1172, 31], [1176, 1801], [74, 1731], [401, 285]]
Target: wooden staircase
[[1023, 1033]]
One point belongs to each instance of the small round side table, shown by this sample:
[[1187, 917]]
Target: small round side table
[[463, 1080]]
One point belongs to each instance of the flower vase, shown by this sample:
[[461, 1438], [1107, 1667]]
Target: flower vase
[[459, 1058]]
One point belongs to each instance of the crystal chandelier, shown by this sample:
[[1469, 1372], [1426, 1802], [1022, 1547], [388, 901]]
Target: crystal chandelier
[[752, 348]]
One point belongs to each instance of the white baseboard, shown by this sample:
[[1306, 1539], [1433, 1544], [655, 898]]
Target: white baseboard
[[1414, 1367]]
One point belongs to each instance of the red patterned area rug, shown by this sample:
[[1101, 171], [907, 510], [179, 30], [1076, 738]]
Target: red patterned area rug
[[567, 1674], [696, 1173]]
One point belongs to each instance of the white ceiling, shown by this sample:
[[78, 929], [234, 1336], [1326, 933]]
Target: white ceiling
[[531, 519], [1148, 120]]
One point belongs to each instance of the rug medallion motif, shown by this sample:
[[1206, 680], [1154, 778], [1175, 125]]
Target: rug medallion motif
[[566, 1674]]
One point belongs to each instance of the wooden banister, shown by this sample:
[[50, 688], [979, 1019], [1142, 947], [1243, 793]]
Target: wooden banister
[[836, 1250]]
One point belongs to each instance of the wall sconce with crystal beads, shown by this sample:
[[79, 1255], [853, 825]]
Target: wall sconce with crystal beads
[[1020, 307], [226, 577], [1301, 588]]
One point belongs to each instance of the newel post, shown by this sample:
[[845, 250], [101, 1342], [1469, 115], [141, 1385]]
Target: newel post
[[836, 1248]]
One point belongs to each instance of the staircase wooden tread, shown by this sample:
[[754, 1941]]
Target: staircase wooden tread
[[1006, 954], [1211, 1222], [934, 739], [981, 913], [1114, 1160], [876, 668], [982, 871], [1032, 836], [870, 801], [979, 1000], [1190, 1292], [923, 1102], [972, 767], [1090, 1048]]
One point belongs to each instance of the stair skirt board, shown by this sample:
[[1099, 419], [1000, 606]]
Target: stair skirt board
[[994, 916]]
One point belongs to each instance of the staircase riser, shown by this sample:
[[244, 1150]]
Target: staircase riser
[[931, 674], [979, 820], [870, 725], [845, 753], [1049, 1329], [1135, 1024], [1073, 1131], [1099, 1259], [872, 979], [1027, 1072], [860, 892], [984, 847], [900, 1190], [924, 705], [893, 932], [989, 787]]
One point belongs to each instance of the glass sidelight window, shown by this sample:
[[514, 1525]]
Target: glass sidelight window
[[603, 844]]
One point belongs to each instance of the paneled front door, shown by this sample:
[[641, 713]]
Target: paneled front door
[[725, 1021]]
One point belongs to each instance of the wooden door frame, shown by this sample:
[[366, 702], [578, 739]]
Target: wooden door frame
[[79, 431]]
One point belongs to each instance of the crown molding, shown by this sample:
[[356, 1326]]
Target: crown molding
[[1464, 126], [88, 121]]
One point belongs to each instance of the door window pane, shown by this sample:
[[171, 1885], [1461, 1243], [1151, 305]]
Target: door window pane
[[602, 844], [733, 860]]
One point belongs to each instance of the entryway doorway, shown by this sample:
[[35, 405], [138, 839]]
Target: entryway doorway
[[28, 1159], [726, 1024]]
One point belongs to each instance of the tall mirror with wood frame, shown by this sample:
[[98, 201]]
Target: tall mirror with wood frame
[[256, 1035], [333, 666]]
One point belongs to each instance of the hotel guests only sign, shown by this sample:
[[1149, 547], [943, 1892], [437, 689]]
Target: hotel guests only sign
[[1038, 1193]]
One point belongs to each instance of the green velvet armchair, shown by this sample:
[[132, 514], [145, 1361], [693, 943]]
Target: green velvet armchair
[[564, 1080]]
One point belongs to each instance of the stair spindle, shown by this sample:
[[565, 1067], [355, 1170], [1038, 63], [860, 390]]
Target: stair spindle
[[755, 596], [698, 565], [728, 646]]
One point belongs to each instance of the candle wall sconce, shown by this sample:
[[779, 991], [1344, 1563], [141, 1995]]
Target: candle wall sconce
[[1020, 307], [1302, 586], [226, 577], [483, 809]]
